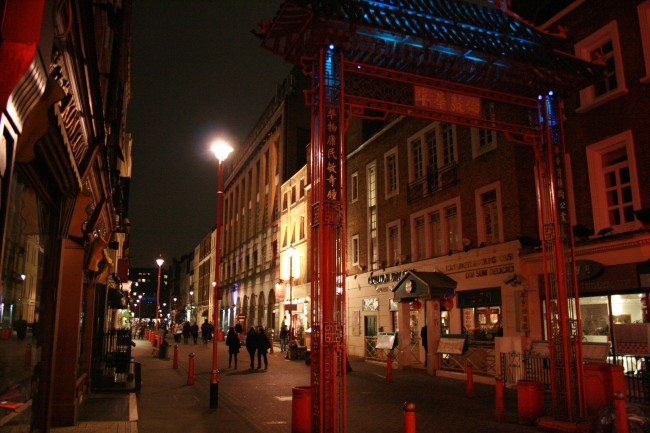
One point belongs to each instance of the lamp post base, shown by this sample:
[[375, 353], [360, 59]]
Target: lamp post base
[[214, 395]]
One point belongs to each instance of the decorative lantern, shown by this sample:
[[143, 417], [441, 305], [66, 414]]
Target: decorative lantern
[[416, 305]]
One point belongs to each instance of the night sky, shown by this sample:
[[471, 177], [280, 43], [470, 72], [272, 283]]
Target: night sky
[[197, 72]]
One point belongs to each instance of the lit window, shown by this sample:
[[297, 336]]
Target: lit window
[[390, 159], [488, 211], [393, 244], [614, 183], [373, 251], [644, 21], [602, 47], [354, 186], [420, 239], [355, 250]]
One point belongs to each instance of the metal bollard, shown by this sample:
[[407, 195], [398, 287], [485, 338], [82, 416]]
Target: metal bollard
[[28, 357], [175, 357], [470, 382], [621, 413], [500, 412], [389, 368], [190, 371], [409, 417]]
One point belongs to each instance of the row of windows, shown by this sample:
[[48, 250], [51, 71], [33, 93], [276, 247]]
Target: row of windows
[[436, 231], [294, 199]]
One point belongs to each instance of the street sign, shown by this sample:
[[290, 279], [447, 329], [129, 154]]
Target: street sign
[[290, 307]]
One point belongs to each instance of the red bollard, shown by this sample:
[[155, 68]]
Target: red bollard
[[271, 351], [621, 413], [175, 356], [389, 368], [470, 382], [28, 357], [409, 417], [190, 371], [155, 340], [500, 412]]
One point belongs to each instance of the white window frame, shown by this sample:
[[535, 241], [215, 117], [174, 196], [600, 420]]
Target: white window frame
[[597, 183], [421, 134], [388, 193], [354, 187], [355, 250], [373, 254], [583, 49], [398, 248], [480, 218], [426, 213], [644, 22], [419, 240], [477, 149]]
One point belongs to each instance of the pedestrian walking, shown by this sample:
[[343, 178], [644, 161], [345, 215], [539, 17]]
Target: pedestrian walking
[[178, 332], [263, 345], [284, 338], [210, 331], [195, 332], [251, 344], [239, 329], [234, 343], [425, 343], [187, 331], [204, 331], [20, 326]]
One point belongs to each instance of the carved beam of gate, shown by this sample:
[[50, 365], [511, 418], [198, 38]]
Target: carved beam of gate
[[374, 93]]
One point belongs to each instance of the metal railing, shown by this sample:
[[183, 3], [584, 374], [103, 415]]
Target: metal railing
[[435, 181], [515, 366], [482, 359]]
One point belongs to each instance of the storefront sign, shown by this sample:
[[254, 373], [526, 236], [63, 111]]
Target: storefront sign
[[497, 270], [483, 262], [588, 269], [370, 304], [385, 278], [452, 344], [447, 101], [521, 298], [479, 298]]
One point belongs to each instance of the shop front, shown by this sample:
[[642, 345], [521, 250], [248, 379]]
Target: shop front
[[419, 296]]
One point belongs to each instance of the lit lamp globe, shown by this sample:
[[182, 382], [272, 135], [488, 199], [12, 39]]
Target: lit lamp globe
[[221, 150]]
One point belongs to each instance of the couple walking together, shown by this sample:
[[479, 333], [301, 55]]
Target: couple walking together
[[255, 341]]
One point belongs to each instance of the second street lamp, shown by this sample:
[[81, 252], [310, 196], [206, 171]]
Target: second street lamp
[[221, 151], [160, 262]]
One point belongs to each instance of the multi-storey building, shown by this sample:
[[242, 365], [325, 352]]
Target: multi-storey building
[[434, 197], [251, 234], [65, 81]]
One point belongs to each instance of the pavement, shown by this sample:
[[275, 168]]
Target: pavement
[[260, 401]]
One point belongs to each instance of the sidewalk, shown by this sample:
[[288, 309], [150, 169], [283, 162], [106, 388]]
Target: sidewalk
[[261, 401]]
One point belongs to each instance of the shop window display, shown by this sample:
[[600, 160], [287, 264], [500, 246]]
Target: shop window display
[[482, 323]]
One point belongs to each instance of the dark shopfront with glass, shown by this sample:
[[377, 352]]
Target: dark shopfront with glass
[[616, 296], [481, 320]]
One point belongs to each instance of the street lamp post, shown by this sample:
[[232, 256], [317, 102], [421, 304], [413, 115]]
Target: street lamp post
[[291, 251], [221, 151], [160, 262], [140, 307], [191, 304]]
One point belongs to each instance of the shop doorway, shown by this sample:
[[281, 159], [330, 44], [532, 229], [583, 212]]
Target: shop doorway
[[370, 336]]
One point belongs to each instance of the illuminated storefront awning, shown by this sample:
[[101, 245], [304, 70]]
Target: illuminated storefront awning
[[424, 285]]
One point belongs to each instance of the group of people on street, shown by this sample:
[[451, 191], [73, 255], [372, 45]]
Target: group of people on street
[[256, 341], [187, 330]]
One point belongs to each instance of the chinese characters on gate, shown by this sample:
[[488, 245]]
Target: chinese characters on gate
[[332, 161], [445, 101]]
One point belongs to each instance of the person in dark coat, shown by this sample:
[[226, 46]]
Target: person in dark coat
[[20, 326], [195, 332], [425, 343], [251, 344], [239, 329], [233, 343], [204, 331], [187, 331], [263, 345]]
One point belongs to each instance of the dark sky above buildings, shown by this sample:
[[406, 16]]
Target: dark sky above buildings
[[197, 72]]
